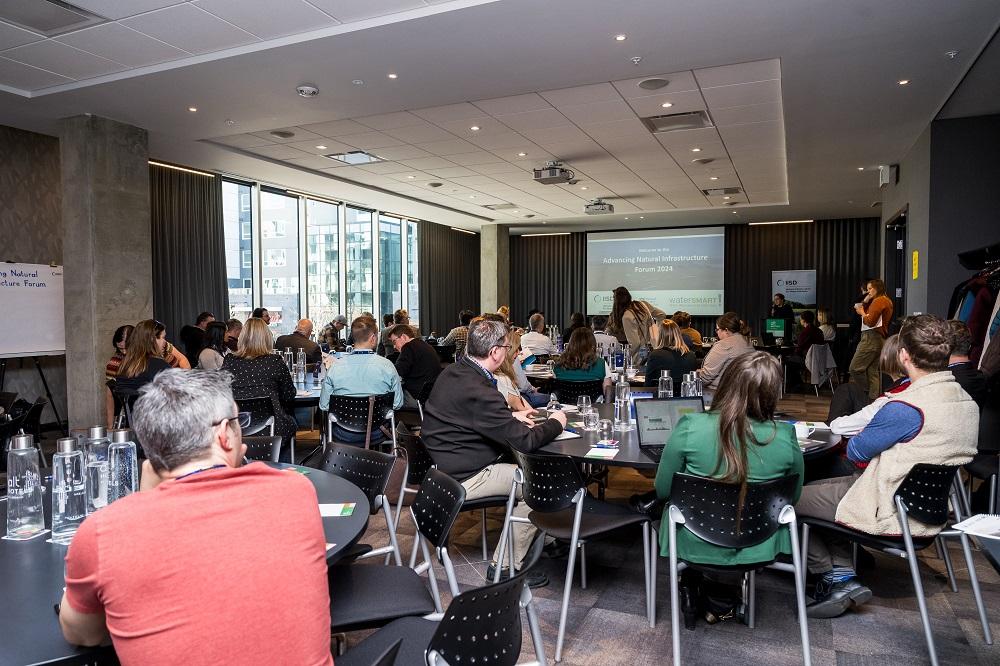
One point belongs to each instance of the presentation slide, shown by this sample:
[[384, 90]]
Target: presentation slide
[[674, 269]]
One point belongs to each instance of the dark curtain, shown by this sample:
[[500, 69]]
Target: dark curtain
[[843, 252], [449, 276], [189, 250], [548, 273]]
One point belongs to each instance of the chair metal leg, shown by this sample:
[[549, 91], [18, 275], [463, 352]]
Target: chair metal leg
[[654, 560], [798, 562], [854, 556], [804, 551], [390, 524], [564, 611], [974, 580], [751, 600], [675, 604], [993, 494], [583, 565], [431, 577], [482, 536], [942, 549], [646, 555], [533, 626], [918, 586]]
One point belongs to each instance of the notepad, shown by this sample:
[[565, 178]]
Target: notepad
[[330, 545], [336, 510], [981, 525], [566, 434], [603, 454]]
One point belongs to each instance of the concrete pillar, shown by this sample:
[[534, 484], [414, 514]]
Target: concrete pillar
[[494, 261], [106, 250]]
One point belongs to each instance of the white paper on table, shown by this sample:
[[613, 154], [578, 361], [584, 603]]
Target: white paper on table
[[981, 525], [602, 453], [330, 545], [566, 434], [340, 510]]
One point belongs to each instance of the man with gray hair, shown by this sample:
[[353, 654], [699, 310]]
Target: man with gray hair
[[156, 570], [469, 431], [534, 342]]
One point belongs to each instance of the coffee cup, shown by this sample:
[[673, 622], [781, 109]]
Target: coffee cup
[[803, 430]]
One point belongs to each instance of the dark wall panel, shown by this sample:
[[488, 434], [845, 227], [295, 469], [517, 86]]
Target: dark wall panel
[[449, 276], [548, 273]]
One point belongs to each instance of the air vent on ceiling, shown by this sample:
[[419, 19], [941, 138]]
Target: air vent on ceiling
[[354, 157], [703, 160], [677, 121], [47, 17], [653, 84], [502, 206], [281, 134], [719, 191]]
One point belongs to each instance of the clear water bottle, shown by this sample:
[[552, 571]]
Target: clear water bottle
[[622, 389], [686, 385], [316, 371], [289, 359], [553, 405], [96, 455], [699, 386], [25, 517], [69, 490], [123, 465], [665, 385], [300, 363], [622, 420]]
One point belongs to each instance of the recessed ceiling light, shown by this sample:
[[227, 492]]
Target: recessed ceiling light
[[307, 90], [667, 105], [583, 187], [522, 154], [393, 76], [626, 218], [515, 211], [726, 198], [713, 178], [861, 168], [734, 212], [903, 82], [472, 196], [696, 150], [641, 217], [474, 128], [230, 122], [192, 109], [320, 147], [411, 177], [358, 82], [621, 38]]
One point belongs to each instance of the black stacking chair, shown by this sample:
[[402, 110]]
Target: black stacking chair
[[124, 397], [708, 509], [481, 626], [269, 406], [923, 497], [7, 399], [418, 462], [556, 493], [568, 391], [423, 396], [446, 353], [33, 419], [262, 447], [370, 471], [361, 414], [986, 466], [365, 596]]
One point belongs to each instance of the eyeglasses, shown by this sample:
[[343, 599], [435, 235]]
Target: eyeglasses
[[243, 418], [502, 346]]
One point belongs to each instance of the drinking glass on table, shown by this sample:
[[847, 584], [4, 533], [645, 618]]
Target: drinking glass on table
[[591, 420], [605, 428], [583, 404]]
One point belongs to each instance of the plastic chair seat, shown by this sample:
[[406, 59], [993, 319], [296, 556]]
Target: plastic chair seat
[[984, 465], [353, 553], [597, 518], [363, 596], [414, 634], [484, 503], [879, 542]]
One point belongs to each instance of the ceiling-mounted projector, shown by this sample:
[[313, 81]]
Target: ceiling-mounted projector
[[553, 173], [598, 207]]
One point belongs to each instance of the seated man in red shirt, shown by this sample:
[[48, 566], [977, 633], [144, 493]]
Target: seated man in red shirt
[[170, 571]]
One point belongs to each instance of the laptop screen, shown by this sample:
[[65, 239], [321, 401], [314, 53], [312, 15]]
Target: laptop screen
[[657, 418]]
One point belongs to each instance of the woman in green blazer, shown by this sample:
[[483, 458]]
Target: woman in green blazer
[[738, 441]]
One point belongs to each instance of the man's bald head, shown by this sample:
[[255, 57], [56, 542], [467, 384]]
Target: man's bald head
[[305, 327]]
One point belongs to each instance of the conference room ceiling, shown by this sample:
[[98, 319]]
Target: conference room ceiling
[[803, 98]]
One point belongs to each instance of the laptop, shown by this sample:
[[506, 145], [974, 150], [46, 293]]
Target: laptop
[[656, 419]]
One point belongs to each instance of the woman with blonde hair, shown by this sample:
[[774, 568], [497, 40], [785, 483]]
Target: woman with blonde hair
[[506, 376], [259, 373], [825, 325], [669, 353]]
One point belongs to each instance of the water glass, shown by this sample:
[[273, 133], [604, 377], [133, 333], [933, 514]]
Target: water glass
[[590, 420], [604, 427], [583, 404], [123, 470]]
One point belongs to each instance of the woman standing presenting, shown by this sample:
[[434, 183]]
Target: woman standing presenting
[[876, 313], [630, 320]]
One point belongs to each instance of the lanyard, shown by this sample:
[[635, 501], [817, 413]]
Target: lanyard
[[203, 469]]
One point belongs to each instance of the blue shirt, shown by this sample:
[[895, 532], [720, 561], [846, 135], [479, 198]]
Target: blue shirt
[[895, 422], [361, 374]]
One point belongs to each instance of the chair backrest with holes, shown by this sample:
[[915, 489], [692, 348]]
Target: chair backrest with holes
[[417, 455], [263, 447], [709, 507], [568, 391], [425, 392], [550, 482], [482, 626], [352, 411], [368, 470], [436, 506], [925, 491]]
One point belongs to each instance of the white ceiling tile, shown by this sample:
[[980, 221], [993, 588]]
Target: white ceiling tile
[[423, 133], [682, 102], [706, 138], [473, 181], [370, 140], [498, 140], [278, 152], [450, 112], [116, 9], [300, 134], [679, 82], [501, 106], [778, 197], [190, 28], [533, 120], [386, 121], [269, 19], [463, 128], [742, 94], [11, 36], [475, 158], [574, 150], [452, 172], [555, 134], [598, 112], [384, 168], [753, 113], [121, 44], [242, 141], [497, 168], [753, 135], [357, 10], [403, 152], [597, 92], [23, 76], [335, 128], [358, 176], [744, 72], [313, 162], [417, 176], [426, 163], [449, 147], [62, 59], [630, 129], [314, 146]]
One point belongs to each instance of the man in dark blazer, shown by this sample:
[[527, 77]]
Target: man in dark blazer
[[469, 430], [299, 339]]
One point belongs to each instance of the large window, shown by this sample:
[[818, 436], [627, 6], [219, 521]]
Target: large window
[[322, 261], [238, 225], [280, 265], [359, 262], [390, 263], [412, 268]]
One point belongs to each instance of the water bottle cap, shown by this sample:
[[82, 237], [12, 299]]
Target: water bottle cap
[[121, 435], [66, 444], [97, 432], [22, 441]]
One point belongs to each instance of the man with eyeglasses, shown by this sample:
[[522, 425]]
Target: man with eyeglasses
[[156, 571], [469, 431]]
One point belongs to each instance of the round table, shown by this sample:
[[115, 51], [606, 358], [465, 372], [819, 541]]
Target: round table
[[629, 454], [32, 573]]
